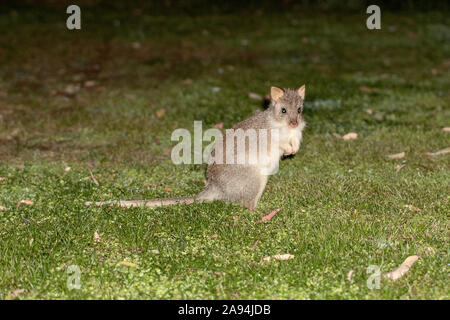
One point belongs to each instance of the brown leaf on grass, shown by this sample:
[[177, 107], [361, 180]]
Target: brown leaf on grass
[[18, 166], [234, 218], [402, 269], [97, 237], [136, 45], [396, 155], [367, 89], [93, 178], [2, 208], [2, 179], [255, 96], [350, 136], [167, 189], [399, 167], [286, 256], [281, 257], [90, 83], [67, 169], [90, 164], [255, 244], [446, 129], [411, 207], [27, 202], [218, 125], [214, 236], [438, 153], [160, 113], [14, 294], [349, 275], [270, 215], [128, 264], [369, 111], [72, 89]]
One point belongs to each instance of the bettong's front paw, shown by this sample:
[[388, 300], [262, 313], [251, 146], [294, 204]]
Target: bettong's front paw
[[290, 150]]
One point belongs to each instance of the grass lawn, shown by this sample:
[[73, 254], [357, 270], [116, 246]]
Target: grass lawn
[[104, 100]]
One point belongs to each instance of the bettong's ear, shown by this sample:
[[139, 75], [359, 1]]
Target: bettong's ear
[[276, 93], [301, 92]]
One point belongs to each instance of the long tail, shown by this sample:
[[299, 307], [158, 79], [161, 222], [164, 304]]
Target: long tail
[[207, 195], [146, 203]]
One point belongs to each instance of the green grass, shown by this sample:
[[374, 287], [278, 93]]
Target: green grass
[[112, 130]]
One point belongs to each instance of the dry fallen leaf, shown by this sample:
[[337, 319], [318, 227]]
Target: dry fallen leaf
[[72, 89], [270, 215], [16, 293], [402, 269], [369, 111], [214, 236], [349, 275], [97, 237], [350, 136], [255, 96], [18, 166], [90, 83], [167, 189], [155, 251], [396, 155], [410, 207], [367, 89], [160, 113], [234, 218], [446, 129], [67, 169], [2, 208], [437, 153], [280, 257], [255, 245], [2, 179], [218, 125], [27, 202], [286, 256], [399, 167], [136, 45], [128, 264]]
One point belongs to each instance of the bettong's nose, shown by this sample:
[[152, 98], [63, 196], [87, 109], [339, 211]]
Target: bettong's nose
[[293, 124]]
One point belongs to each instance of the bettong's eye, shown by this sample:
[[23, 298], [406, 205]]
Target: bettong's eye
[[283, 110], [299, 110]]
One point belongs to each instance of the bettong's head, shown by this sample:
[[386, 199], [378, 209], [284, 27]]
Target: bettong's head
[[287, 105]]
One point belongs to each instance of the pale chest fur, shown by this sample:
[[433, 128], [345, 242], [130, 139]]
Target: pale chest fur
[[289, 140]]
